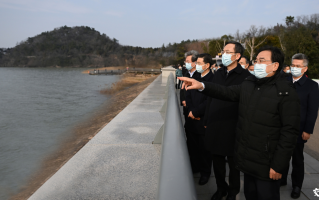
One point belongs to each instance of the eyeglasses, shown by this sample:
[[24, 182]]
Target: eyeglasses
[[298, 66], [260, 61], [227, 52]]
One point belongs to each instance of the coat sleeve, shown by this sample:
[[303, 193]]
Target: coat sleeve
[[182, 96], [188, 99], [230, 93], [199, 111], [289, 111], [312, 109], [208, 102]]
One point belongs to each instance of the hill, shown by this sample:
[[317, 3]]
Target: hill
[[79, 47]]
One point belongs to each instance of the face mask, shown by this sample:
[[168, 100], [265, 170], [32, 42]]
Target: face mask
[[226, 59], [295, 71], [189, 66], [243, 66], [180, 68], [199, 69], [288, 71], [260, 70], [252, 72]]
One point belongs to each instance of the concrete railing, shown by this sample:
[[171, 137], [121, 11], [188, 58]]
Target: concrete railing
[[175, 178]]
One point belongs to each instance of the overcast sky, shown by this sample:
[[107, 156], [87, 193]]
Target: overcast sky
[[145, 23]]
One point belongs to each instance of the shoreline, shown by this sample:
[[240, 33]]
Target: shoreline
[[123, 93]]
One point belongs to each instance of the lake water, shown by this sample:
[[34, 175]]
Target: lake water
[[38, 108]]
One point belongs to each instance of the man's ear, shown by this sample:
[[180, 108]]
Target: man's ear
[[276, 66], [238, 56], [306, 69]]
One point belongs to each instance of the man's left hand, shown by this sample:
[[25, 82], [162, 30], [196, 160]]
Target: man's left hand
[[305, 136], [274, 175], [191, 115]]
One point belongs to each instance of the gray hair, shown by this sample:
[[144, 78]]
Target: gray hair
[[192, 53], [300, 56]]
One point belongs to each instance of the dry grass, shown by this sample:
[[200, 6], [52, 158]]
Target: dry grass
[[127, 80]]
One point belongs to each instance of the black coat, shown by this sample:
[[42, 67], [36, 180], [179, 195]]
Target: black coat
[[308, 93], [268, 124], [196, 76], [196, 102], [221, 116]]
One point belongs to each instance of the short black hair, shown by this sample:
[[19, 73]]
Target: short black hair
[[247, 60], [207, 58], [276, 55], [238, 48]]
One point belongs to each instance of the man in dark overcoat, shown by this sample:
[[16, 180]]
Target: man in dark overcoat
[[190, 65], [308, 93], [221, 119], [196, 105], [268, 123]]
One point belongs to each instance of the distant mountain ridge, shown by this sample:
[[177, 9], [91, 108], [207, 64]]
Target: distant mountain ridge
[[79, 47]]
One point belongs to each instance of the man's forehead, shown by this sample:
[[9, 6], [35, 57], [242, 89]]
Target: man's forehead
[[265, 55], [242, 59], [188, 57], [229, 47], [295, 61]]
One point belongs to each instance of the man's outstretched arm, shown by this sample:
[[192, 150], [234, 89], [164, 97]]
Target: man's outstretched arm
[[230, 93]]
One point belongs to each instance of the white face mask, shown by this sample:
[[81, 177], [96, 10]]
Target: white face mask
[[199, 69], [260, 70], [243, 66], [287, 71], [252, 72], [295, 71]]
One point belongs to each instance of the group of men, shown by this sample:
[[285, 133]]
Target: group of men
[[251, 116]]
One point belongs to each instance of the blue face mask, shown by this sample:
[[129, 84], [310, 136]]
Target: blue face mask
[[188, 66], [252, 72], [199, 68], [260, 70], [226, 59], [295, 71]]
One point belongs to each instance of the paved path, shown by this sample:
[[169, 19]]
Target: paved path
[[120, 162], [311, 182]]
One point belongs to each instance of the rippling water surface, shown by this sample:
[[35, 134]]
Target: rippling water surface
[[38, 106]]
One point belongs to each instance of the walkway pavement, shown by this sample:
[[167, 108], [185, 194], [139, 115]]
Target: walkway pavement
[[311, 182], [120, 162]]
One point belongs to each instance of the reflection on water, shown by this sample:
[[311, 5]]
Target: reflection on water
[[38, 107]]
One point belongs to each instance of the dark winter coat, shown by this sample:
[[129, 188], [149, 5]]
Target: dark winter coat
[[308, 93], [196, 102], [196, 76], [221, 116], [268, 124]]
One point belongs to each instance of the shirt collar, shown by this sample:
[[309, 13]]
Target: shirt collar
[[191, 73]]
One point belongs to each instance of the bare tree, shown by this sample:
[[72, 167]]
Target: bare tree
[[251, 35], [238, 37], [279, 31]]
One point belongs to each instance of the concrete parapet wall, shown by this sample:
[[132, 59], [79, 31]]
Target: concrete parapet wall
[[166, 71], [120, 162]]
